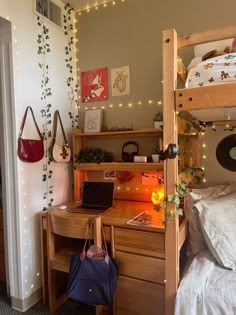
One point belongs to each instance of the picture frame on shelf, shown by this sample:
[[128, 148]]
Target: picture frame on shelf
[[93, 120]]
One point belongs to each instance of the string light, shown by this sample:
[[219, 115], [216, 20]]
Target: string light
[[121, 105], [96, 7]]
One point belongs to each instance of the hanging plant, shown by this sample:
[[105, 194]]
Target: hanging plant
[[176, 200], [69, 49], [46, 93]]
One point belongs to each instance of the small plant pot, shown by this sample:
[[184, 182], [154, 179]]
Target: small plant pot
[[155, 158], [158, 124]]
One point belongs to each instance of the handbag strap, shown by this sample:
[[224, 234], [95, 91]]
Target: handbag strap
[[83, 253], [54, 127], [34, 120]]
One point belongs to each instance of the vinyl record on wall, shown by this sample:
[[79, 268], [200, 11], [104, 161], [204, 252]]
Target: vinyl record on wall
[[226, 152]]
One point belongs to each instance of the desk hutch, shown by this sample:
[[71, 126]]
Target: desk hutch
[[139, 250]]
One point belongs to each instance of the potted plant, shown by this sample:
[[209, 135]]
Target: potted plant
[[155, 153], [158, 119]]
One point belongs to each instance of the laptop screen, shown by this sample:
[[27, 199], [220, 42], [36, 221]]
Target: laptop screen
[[97, 194]]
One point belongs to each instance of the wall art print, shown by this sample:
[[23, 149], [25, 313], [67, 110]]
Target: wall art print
[[93, 120], [94, 85], [120, 81]]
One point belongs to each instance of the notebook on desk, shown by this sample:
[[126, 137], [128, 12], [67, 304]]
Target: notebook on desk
[[97, 197]]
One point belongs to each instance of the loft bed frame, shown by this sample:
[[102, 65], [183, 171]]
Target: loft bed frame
[[184, 99]]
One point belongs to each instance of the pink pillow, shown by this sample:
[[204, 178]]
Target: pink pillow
[[233, 47]]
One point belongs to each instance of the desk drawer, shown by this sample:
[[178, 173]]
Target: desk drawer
[[141, 267], [135, 297], [147, 241]]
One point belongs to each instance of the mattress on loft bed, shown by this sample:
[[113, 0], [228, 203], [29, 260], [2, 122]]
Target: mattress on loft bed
[[217, 70], [206, 288]]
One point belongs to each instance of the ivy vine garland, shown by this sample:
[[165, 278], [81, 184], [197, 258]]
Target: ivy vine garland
[[71, 84], [46, 92]]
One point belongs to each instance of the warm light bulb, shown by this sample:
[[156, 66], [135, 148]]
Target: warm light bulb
[[157, 195]]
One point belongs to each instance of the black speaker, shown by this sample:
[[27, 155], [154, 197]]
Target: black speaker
[[129, 157], [170, 153]]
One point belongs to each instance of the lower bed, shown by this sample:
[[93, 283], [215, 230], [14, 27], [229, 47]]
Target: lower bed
[[206, 288]]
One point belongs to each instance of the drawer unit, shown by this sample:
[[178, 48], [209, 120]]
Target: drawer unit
[[136, 297], [141, 267], [144, 243]]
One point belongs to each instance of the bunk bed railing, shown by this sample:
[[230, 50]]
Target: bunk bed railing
[[206, 36], [209, 97]]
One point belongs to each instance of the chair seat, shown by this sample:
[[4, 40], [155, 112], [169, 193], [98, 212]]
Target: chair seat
[[61, 260]]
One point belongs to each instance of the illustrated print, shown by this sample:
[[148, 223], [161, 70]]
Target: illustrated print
[[120, 81], [94, 85]]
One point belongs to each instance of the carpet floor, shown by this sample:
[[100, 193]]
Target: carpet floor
[[69, 308]]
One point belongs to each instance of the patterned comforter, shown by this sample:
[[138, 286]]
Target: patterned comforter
[[212, 71]]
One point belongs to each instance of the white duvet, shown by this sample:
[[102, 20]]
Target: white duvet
[[206, 288], [213, 71]]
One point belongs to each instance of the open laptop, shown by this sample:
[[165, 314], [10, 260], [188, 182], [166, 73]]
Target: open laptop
[[97, 197]]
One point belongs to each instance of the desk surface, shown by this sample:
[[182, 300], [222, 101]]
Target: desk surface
[[120, 213]]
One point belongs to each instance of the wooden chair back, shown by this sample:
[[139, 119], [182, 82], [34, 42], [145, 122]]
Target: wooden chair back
[[65, 230]]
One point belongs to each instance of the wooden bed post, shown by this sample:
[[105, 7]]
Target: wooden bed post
[[170, 165]]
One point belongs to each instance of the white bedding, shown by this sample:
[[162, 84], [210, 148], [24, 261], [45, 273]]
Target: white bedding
[[212, 71], [206, 288]]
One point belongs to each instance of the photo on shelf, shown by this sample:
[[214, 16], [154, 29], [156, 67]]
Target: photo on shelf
[[93, 120], [109, 175]]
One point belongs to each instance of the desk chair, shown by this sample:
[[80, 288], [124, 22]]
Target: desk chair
[[64, 231]]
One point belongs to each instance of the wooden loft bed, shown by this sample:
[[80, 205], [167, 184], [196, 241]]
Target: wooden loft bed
[[184, 99]]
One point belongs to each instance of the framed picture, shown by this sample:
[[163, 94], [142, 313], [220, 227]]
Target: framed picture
[[94, 85], [120, 81], [93, 120]]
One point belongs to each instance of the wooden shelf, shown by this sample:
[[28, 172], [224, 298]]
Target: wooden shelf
[[111, 134], [118, 166]]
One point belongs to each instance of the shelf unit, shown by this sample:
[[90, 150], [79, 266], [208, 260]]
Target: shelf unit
[[80, 139]]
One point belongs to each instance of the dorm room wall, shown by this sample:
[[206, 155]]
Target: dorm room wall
[[130, 33], [19, 22]]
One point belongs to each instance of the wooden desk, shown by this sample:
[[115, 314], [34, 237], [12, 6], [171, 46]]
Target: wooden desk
[[140, 251]]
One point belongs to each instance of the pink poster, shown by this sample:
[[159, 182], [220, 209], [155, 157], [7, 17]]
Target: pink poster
[[94, 85]]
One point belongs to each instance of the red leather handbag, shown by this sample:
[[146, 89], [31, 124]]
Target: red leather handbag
[[30, 150]]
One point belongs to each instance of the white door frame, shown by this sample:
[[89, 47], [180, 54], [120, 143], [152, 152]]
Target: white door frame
[[11, 213]]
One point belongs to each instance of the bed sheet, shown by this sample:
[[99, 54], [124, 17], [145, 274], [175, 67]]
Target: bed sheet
[[213, 71], [206, 288]]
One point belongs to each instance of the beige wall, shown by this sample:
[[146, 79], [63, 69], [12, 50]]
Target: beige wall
[[130, 33]]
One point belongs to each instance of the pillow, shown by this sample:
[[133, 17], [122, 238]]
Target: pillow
[[194, 62], [196, 240], [202, 49], [217, 217]]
